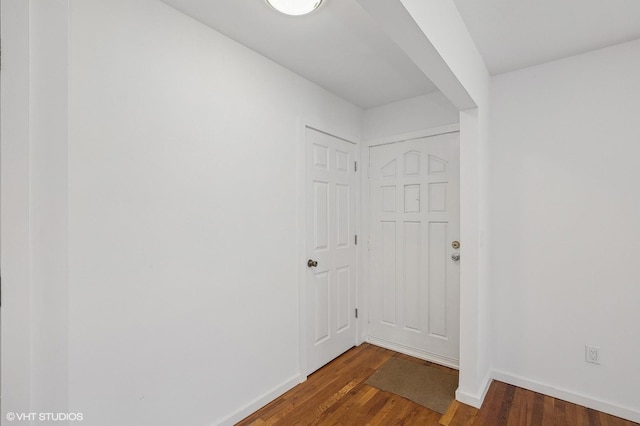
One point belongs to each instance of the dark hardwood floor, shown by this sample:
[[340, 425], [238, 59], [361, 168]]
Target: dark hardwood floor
[[337, 395]]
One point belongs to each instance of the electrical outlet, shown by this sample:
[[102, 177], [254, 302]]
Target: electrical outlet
[[592, 354]]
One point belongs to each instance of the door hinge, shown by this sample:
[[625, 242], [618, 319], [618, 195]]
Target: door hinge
[[356, 240], [355, 166], [356, 313]]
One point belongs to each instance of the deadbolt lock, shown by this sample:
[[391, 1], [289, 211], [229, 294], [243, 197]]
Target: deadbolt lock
[[455, 244]]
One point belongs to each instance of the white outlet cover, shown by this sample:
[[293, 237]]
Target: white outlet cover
[[592, 354]]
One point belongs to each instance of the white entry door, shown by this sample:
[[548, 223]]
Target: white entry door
[[331, 264], [415, 277]]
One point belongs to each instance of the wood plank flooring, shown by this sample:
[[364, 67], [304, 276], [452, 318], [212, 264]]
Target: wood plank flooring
[[337, 395]]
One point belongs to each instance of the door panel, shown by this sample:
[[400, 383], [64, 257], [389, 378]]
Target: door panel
[[330, 241], [414, 208]]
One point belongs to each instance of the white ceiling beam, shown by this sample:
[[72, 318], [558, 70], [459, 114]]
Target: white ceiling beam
[[407, 34]]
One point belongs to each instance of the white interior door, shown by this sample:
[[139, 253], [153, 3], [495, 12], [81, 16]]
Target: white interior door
[[330, 211], [414, 213]]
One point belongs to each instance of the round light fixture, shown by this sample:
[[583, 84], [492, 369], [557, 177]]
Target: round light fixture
[[295, 7]]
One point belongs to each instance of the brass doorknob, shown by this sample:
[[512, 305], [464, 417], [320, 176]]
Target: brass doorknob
[[312, 263]]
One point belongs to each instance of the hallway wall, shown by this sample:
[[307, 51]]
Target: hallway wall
[[183, 216], [409, 115], [566, 202]]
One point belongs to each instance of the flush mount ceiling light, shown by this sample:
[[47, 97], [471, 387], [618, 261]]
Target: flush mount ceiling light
[[295, 7]]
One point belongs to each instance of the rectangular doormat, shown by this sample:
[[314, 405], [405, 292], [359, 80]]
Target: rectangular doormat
[[428, 386]]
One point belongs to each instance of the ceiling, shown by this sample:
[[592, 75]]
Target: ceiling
[[338, 47], [513, 34]]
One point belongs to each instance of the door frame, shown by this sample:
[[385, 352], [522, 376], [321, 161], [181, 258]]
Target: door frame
[[365, 263], [303, 174], [15, 240]]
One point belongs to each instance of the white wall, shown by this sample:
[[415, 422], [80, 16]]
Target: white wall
[[565, 153], [409, 115], [183, 210]]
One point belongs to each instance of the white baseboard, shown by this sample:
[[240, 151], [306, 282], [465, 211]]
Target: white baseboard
[[416, 353], [475, 399], [260, 402], [532, 385]]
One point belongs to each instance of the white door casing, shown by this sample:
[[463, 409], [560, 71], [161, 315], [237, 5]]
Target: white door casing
[[330, 218], [414, 219]]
